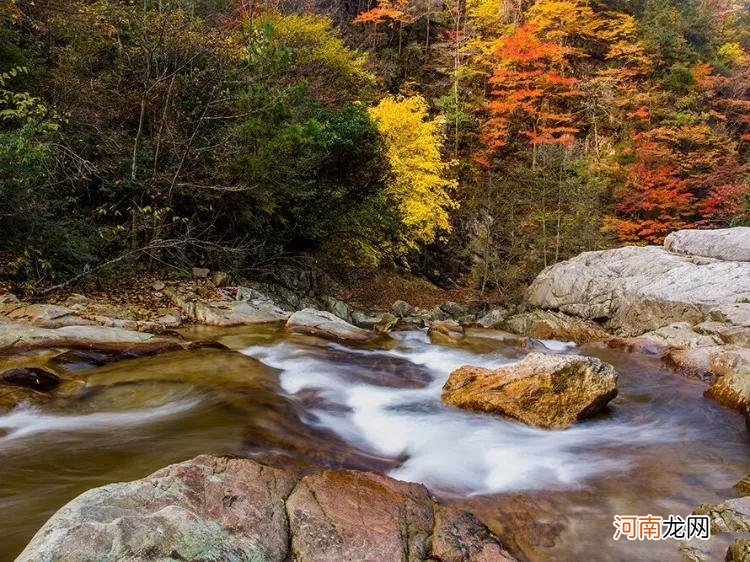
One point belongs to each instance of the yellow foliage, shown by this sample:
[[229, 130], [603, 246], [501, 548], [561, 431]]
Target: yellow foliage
[[419, 185], [732, 52]]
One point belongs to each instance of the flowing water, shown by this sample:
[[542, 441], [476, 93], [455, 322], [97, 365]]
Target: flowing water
[[660, 448]]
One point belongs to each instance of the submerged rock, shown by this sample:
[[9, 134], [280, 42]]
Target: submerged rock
[[217, 509], [551, 391], [326, 325], [34, 378]]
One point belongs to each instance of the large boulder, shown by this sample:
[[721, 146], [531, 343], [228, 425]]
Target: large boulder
[[217, 508], [326, 325], [729, 244], [637, 289], [551, 391]]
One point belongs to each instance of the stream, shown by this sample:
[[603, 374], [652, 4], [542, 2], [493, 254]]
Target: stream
[[300, 401]]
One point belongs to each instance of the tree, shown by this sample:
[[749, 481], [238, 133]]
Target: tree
[[420, 187]]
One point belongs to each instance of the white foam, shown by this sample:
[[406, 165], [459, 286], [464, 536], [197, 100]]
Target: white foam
[[447, 448], [25, 421]]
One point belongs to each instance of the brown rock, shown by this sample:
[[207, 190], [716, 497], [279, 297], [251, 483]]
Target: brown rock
[[550, 391], [738, 551], [458, 536], [546, 324], [445, 331], [212, 509], [348, 515]]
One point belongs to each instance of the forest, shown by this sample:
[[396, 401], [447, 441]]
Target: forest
[[472, 142]]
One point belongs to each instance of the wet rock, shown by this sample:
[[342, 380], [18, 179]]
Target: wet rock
[[738, 551], [551, 391], [201, 272], [728, 244], [216, 509], [445, 331], [387, 322], [743, 486], [730, 366], [327, 521], [731, 516], [679, 335], [637, 289], [34, 378], [326, 325], [494, 318], [546, 324], [458, 536], [401, 309]]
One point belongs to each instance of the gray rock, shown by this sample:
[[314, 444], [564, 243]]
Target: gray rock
[[326, 325], [637, 289], [453, 309], [338, 307], [201, 272], [401, 308], [729, 244], [493, 318], [235, 313], [158, 285]]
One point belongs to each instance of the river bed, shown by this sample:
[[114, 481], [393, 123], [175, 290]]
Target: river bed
[[660, 448]]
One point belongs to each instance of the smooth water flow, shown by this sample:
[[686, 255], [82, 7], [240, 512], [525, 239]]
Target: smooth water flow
[[448, 449], [300, 401]]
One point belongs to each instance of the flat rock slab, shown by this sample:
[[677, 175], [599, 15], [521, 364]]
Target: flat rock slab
[[23, 336], [217, 509], [551, 391], [728, 244], [326, 325]]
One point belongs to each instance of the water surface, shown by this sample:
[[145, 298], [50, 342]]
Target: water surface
[[300, 401]]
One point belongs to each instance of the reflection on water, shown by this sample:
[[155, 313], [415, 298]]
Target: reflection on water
[[300, 401]]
